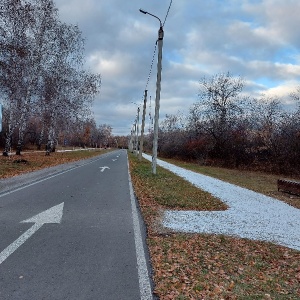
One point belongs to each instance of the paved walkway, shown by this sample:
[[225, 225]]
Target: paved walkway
[[250, 215]]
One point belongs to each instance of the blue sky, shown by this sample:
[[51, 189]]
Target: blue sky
[[258, 40]]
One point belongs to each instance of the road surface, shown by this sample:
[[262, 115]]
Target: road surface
[[73, 234]]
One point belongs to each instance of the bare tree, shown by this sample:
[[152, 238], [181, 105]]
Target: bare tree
[[41, 71], [15, 73], [104, 135], [219, 106]]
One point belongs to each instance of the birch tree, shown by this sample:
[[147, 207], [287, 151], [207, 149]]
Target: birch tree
[[25, 31], [13, 62], [41, 70]]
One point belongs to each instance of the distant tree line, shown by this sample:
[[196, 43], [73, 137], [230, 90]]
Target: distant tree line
[[45, 91], [228, 129]]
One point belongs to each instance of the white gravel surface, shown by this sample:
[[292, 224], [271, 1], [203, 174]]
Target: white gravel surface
[[250, 215]]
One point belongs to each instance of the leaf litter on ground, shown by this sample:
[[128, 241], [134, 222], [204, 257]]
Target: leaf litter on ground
[[207, 266]]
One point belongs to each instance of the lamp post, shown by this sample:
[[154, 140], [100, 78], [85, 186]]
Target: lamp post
[[135, 136], [143, 127], [158, 88], [130, 142], [137, 129]]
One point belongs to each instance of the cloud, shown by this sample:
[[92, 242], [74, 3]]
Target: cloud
[[254, 39]]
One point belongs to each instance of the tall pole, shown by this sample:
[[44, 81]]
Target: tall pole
[[158, 87], [143, 127], [130, 143], [157, 99], [134, 132], [137, 131]]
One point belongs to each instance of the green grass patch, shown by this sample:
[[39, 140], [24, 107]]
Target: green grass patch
[[170, 190], [260, 182], [205, 266]]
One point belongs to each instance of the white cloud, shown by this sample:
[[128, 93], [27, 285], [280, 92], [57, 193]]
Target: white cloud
[[257, 40]]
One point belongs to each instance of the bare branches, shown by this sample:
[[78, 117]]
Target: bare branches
[[41, 71]]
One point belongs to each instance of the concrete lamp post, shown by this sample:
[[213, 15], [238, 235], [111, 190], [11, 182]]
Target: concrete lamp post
[[158, 88]]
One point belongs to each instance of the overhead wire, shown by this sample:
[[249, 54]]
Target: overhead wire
[[151, 66], [167, 14], [153, 58], [154, 52], [148, 79]]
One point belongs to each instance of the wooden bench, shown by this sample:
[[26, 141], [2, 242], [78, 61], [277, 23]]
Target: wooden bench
[[289, 186]]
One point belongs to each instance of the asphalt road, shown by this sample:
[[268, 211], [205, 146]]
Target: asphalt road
[[74, 234]]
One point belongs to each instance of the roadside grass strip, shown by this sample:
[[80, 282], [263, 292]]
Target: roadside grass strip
[[250, 215], [36, 160], [216, 263]]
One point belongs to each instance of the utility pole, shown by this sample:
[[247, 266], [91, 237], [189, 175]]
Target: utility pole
[[143, 127], [134, 132], [137, 131], [157, 99], [158, 88], [130, 143]]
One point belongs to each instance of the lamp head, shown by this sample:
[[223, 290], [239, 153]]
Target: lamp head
[[142, 11]]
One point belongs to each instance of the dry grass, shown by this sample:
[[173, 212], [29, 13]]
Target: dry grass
[[30, 161], [256, 181], [195, 266], [210, 267]]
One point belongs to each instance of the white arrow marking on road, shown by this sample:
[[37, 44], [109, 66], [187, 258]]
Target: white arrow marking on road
[[52, 215], [114, 159], [103, 168]]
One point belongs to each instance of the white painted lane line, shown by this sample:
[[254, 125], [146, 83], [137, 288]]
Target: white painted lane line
[[52, 215], [144, 280], [49, 177]]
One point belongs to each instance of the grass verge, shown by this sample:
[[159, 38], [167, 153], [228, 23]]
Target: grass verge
[[201, 266], [31, 161], [256, 181]]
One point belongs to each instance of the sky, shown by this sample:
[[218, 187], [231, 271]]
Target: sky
[[257, 40]]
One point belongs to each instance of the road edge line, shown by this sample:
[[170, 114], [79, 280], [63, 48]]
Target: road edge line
[[34, 182], [144, 280]]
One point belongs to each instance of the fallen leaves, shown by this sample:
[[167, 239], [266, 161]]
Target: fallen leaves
[[31, 161], [212, 267], [202, 267]]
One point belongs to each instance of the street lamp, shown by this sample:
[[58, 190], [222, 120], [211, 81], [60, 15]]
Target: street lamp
[[143, 126], [158, 88], [137, 129]]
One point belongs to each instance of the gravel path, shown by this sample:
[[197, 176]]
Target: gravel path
[[250, 215]]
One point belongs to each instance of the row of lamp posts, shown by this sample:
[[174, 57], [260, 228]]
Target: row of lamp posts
[[157, 102]]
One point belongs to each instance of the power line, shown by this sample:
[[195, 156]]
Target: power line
[[150, 71], [167, 12], [153, 58], [154, 52]]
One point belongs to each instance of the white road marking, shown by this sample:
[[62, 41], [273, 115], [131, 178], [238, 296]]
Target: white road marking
[[49, 177], [144, 280], [104, 168], [52, 215]]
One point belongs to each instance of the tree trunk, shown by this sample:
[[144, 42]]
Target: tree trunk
[[20, 140], [8, 141], [50, 144]]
